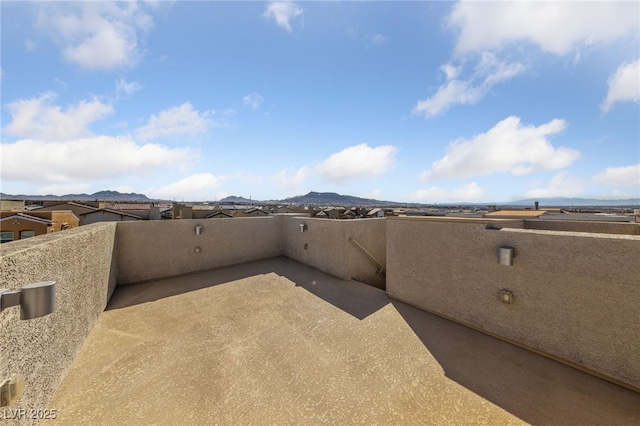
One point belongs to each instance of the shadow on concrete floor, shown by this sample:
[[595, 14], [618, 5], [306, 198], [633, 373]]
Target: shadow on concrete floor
[[536, 389], [357, 299]]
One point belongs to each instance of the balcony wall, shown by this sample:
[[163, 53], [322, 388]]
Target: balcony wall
[[326, 245], [81, 262], [584, 226], [576, 294], [148, 250]]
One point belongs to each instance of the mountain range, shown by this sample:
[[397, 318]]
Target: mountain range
[[325, 199], [574, 202], [114, 196], [334, 199]]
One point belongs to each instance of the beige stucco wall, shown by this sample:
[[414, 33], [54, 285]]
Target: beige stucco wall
[[81, 262], [329, 249], [149, 250], [154, 249], [576, 294], [584, 226]]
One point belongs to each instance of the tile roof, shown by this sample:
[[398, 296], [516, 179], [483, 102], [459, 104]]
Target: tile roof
[[28, 217]]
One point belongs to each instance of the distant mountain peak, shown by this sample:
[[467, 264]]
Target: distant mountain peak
[[574, 202], [236, 199], [106, 195]]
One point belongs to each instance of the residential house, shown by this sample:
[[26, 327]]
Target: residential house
[[289, 209], [253, 212], [515, 214], [348, 214], [19, 225], [377, 212], [11, 205], [219, 214], [77, 208], [107, 215], [181, 211]]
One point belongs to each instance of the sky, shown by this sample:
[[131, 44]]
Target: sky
[[429, 102]]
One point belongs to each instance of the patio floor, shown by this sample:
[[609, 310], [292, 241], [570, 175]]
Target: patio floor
[[276, 342]]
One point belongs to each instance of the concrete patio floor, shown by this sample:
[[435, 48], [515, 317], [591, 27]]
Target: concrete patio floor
[[276, 342]]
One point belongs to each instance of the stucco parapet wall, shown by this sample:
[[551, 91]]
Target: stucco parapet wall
[[81, 262], [568, 226], [7, 249], [576, 294], [574, 234], [343, 248], [511, 222], [148, 250]]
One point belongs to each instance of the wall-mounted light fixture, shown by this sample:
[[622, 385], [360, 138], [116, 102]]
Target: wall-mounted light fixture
[[303, 227], [506, 255], [198, 229], [506, 296], [11, 389], [35, 300]]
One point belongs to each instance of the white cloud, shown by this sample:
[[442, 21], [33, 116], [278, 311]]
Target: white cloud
[[556, 27], [624, 85], [63, 189], [489, 28], [355, 162], [507, 147], [38, 118], [124, 189], [195, 187], [620, 176], [254, 100], [290, 178], [560, 185], [378, 39], [369, 39], [29, 45], [128, 88], [96, 35], [488, 72], [450, 71], [282, 12], [177, 120], [467, 193], [376, 194], [97, 157]]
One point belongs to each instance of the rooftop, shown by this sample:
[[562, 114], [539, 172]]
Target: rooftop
[[290, 320], [277, 342]]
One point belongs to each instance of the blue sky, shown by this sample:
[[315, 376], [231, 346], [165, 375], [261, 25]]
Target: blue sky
[[406, 101]]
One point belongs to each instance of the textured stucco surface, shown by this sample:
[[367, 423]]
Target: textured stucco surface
[[329, 248], [584, 226], [576, 294], [81, 262], [161, 248], [154, 249], [274, 342]]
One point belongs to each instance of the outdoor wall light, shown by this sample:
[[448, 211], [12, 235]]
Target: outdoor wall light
[[506, 296], [303, 227], [506, 255], [11, 389], [35, 300], [198, 229]]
